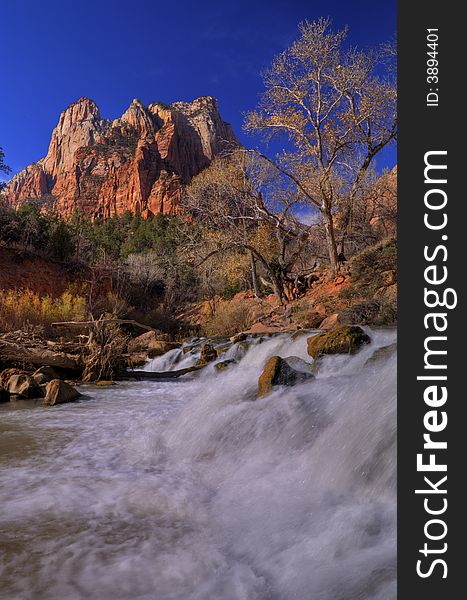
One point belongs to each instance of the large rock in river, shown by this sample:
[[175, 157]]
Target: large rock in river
[[6, 374], [58, 392], [207, 354], [282, 371], [23, 385], [343, 339]]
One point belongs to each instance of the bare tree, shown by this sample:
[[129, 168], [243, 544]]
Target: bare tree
[[240, 201], [332, 103]]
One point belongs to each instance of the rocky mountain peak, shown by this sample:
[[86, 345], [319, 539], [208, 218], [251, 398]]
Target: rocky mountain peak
[[138, 162], [82, 109]]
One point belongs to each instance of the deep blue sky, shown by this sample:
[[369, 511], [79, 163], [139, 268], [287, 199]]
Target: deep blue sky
[[55, 51]]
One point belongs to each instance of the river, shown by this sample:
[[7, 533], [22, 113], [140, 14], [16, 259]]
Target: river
[[189, 490]]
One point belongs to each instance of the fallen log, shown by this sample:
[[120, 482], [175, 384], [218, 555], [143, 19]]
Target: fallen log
[[11, 352], [100, 321], [159, 374]]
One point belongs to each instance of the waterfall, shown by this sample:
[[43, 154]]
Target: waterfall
[[193, 489]]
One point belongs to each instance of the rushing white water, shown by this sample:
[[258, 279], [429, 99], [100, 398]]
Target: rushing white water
[[190, 490]]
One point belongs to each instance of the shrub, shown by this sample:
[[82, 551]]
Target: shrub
[[23, 308], [367, 266], [372, 312], [228, 318], [60, 243]]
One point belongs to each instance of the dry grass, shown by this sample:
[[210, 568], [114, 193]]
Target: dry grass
[[228, 318], [20, 309]]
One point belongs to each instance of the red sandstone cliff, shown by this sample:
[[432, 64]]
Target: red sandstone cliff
[[137, 162]]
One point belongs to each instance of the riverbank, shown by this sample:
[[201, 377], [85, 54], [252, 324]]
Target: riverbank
[[107, 348]]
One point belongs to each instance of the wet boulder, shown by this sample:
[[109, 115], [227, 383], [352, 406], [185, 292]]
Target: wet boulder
[[160, 347], [282, 371], [4, 395], [58, 392], [24, 386], [208, 354], [44, 375], [343, 339]]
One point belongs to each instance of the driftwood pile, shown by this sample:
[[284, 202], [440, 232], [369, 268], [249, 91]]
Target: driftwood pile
[[98, 352]]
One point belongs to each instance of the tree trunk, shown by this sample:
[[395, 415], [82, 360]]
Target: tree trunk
[[345, 226], [254, 276], [330, 239], [97, 322], [276, 282], [353, 192], [348, 215], [277, 287]]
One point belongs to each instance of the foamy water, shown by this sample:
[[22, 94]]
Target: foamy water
[[189, 490]]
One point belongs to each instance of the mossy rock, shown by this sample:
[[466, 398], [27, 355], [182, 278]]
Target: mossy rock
[[343, 339], [278, 371]]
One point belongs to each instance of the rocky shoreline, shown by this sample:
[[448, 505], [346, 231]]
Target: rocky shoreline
[[66, 365]]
